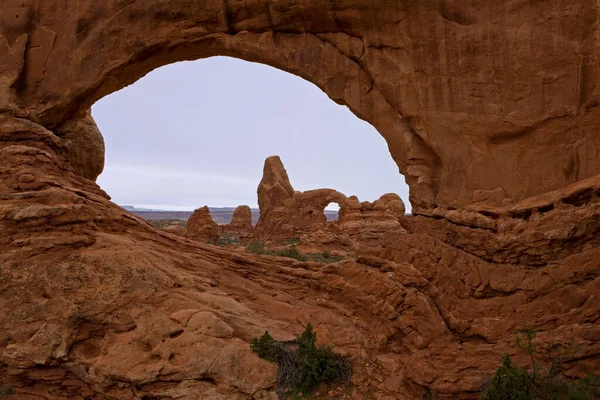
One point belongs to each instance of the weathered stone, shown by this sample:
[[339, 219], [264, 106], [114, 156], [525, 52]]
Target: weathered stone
[[471, 101], [285, 213], [83, 146], [201, 227], [490, 109], [241, 223], [302, 213], [275, 187]]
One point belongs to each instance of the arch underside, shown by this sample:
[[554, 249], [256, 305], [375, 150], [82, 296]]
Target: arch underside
[[468, 121]]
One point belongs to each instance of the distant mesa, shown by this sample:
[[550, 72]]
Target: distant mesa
[[221, 215], [136, 209]]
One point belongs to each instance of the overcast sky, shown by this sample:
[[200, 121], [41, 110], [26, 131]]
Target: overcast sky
[[197, 133]]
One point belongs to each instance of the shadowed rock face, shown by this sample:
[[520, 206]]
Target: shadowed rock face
[[476, 106], [489, 109], [84, 146]]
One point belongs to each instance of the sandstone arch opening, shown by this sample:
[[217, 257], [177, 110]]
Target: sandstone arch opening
[[197, 133], [391, 69]]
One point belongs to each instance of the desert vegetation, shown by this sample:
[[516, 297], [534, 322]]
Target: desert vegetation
[[228, 241], [540, 382], [291, 251], [302, 365], [161, 223]]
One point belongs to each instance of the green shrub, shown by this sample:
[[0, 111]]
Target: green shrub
[[291, 252], [302, 364], [6, 391], [227, 240], [256, 248], [584, 389], [514, 383], [267, 348], [324, 257], [509, 383], [428, 395], [293, 241]]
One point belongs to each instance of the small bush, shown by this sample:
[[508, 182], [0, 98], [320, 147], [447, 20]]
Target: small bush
[[510, 382], [6, 391], [293, 241], [291, 252], [267, 348], [428, 395], [514, 383], [587, 388], [161, 223], [302, 365], [325, 257], [227, 240], [256, 248]]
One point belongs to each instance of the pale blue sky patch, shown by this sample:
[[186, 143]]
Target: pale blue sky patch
[[197, 133]]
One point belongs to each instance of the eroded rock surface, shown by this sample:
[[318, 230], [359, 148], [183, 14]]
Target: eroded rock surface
[[201, 227], [286, 214], [274, 188], [241, 223], [97, 303], [473, 99], [489, 108], [365, 223]]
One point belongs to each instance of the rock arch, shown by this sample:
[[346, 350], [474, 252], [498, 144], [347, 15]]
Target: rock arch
[[481, 102], [465, 122], [285, 212]]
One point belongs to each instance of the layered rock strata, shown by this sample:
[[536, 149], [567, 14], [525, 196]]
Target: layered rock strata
[[489, 109]]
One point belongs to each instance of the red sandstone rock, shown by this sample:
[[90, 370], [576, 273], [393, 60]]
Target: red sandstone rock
[[84, 146], [283, 216], [365, 223], [97, 302], [274, 188], [285, 213], [471, 111], [241, 223], [490, 112], [391, 203], [176, 229], [201, 227]]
